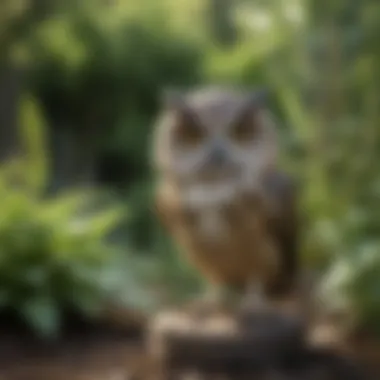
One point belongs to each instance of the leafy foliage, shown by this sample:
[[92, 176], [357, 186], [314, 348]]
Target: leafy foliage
[[54, 253], [97, 69]]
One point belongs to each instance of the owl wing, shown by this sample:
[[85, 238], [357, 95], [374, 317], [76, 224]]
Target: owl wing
[[167, 207], [283, 224]]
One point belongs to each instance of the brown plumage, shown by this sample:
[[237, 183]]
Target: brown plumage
[[241, 227]]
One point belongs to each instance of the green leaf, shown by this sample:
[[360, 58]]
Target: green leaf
[[33, 134], [102, 223], [64, 206], [44, 315]]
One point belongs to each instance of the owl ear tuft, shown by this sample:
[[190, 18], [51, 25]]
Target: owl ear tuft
[[260, 97], [255, 102]]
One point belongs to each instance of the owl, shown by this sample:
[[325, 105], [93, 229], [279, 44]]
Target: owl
[[220, 193]]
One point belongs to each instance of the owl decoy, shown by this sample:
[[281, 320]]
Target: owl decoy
[[221, 194]]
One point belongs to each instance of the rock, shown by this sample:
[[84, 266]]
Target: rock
[[256, 344], [252, 342]]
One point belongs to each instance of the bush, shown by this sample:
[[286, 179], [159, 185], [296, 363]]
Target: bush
[[54, 251], [98, 74], [52, 257]]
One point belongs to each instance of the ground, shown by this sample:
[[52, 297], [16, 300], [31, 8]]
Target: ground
[[85, 352], [96, 351]]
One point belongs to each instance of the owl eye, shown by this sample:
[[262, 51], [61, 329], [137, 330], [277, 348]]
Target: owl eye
[[244, 130], [188, 132]]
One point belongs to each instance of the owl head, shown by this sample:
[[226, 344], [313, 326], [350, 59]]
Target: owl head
[[214, 134]]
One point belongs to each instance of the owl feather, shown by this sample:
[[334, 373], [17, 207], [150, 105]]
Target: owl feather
[[220, 192]]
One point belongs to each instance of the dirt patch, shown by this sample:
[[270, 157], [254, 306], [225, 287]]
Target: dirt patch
[[86, 350]]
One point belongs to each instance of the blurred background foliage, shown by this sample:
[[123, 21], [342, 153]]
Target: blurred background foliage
[[80, 85]]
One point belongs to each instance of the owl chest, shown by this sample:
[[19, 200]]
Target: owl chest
[[228, 226], [226, 245]]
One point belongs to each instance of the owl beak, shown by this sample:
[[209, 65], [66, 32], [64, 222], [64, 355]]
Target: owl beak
[[218, 164], [218, 156]]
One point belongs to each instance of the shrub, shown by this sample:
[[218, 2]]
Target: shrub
[[54, 252], [50, 257]]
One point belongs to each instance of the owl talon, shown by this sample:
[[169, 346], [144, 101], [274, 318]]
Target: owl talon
[[252, 305], [202, 309], [254, 299]]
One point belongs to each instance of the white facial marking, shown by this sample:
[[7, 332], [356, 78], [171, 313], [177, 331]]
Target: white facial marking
[[209, 195]]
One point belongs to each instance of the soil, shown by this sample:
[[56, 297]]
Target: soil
[[86, 350]]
